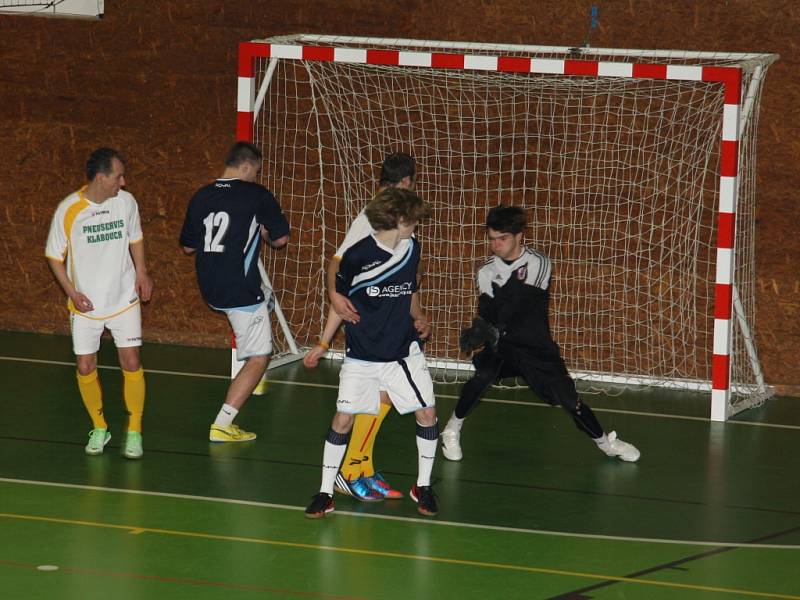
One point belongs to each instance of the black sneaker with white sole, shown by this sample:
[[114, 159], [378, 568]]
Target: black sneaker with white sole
[[321, 504], [425, 498]]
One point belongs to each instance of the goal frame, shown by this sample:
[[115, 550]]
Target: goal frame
[[573, 62]]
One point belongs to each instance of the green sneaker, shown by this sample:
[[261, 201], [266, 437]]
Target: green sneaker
[[98, 438], [133, 445]]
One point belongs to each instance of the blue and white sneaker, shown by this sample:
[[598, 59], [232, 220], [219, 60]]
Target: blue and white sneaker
[[358, 489]]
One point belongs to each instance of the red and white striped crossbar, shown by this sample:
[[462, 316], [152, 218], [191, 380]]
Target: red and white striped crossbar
[[730, 77]]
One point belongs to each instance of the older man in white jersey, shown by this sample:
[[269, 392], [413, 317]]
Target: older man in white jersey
[[96, 252]]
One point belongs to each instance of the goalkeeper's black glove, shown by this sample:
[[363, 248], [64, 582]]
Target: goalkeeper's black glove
[[480, 333]]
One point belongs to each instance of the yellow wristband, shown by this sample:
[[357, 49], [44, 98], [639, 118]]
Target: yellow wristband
[[324, 345]]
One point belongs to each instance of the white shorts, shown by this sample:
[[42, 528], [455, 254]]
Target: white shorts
[[252, 330], [407, 381], [126, 328]]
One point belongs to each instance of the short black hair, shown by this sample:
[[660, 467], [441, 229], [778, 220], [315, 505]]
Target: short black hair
[[396, 167], [101, 161], [242, 152], [506, 219]]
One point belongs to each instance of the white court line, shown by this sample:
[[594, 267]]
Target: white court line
[[450, 396], [417, 521]]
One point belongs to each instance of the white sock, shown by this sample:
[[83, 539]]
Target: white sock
[[603, 439], [226, 415], [331, 461], [427, 452], [454, 423]]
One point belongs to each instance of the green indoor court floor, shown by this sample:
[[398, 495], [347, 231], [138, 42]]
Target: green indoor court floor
[[534, 511]]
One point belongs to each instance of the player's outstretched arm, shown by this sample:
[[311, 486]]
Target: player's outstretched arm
[[421, 323], [311, 359], [339, 302], [279, 243]]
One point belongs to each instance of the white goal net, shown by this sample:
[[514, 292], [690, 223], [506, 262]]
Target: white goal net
[[619, 175]]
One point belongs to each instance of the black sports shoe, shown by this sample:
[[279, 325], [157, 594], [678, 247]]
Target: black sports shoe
[[425, 498], [321, 504]]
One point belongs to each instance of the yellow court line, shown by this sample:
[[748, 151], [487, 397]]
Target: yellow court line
[[382, 554]]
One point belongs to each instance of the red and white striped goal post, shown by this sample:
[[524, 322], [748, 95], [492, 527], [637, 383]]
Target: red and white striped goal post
[[729, 77]]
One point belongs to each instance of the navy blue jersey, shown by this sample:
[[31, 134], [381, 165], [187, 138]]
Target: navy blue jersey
[[379, 282], [222, 225]]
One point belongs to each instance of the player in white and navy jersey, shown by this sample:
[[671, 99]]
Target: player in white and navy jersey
[[225, 223], [358, 477], [513, 303], [96, 252], [379, 276]]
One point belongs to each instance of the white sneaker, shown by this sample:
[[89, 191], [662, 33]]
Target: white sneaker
[[616, 447], [451, 446]]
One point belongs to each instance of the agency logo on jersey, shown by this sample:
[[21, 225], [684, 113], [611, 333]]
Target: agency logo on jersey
[[393, 290], [222, 185]]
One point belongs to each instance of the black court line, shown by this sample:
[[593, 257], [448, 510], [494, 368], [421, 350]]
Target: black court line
[[580, 594], [497, 484]]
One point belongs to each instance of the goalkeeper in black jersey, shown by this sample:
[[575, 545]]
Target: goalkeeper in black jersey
[[512, 331]]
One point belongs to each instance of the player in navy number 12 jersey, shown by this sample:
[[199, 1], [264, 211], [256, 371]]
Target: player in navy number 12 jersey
[[224, 225]]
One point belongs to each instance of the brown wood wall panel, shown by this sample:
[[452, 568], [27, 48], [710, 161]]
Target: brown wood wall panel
[[157, 79]]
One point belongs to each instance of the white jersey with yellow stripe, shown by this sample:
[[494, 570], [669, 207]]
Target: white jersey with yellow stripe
[[94, 241]]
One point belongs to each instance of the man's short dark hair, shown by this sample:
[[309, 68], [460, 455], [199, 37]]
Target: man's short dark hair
[[392, 205], [242, 152], [396, 167], [506, 219], [101, 161]]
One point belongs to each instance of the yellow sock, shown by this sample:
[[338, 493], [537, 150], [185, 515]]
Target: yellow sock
[[133, 393], [358, 460], [92, 396]]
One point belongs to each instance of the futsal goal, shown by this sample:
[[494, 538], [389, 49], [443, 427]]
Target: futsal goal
[[637, 170]]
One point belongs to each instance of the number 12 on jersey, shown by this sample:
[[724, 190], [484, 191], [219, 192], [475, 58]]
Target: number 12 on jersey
[[220, 222]]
